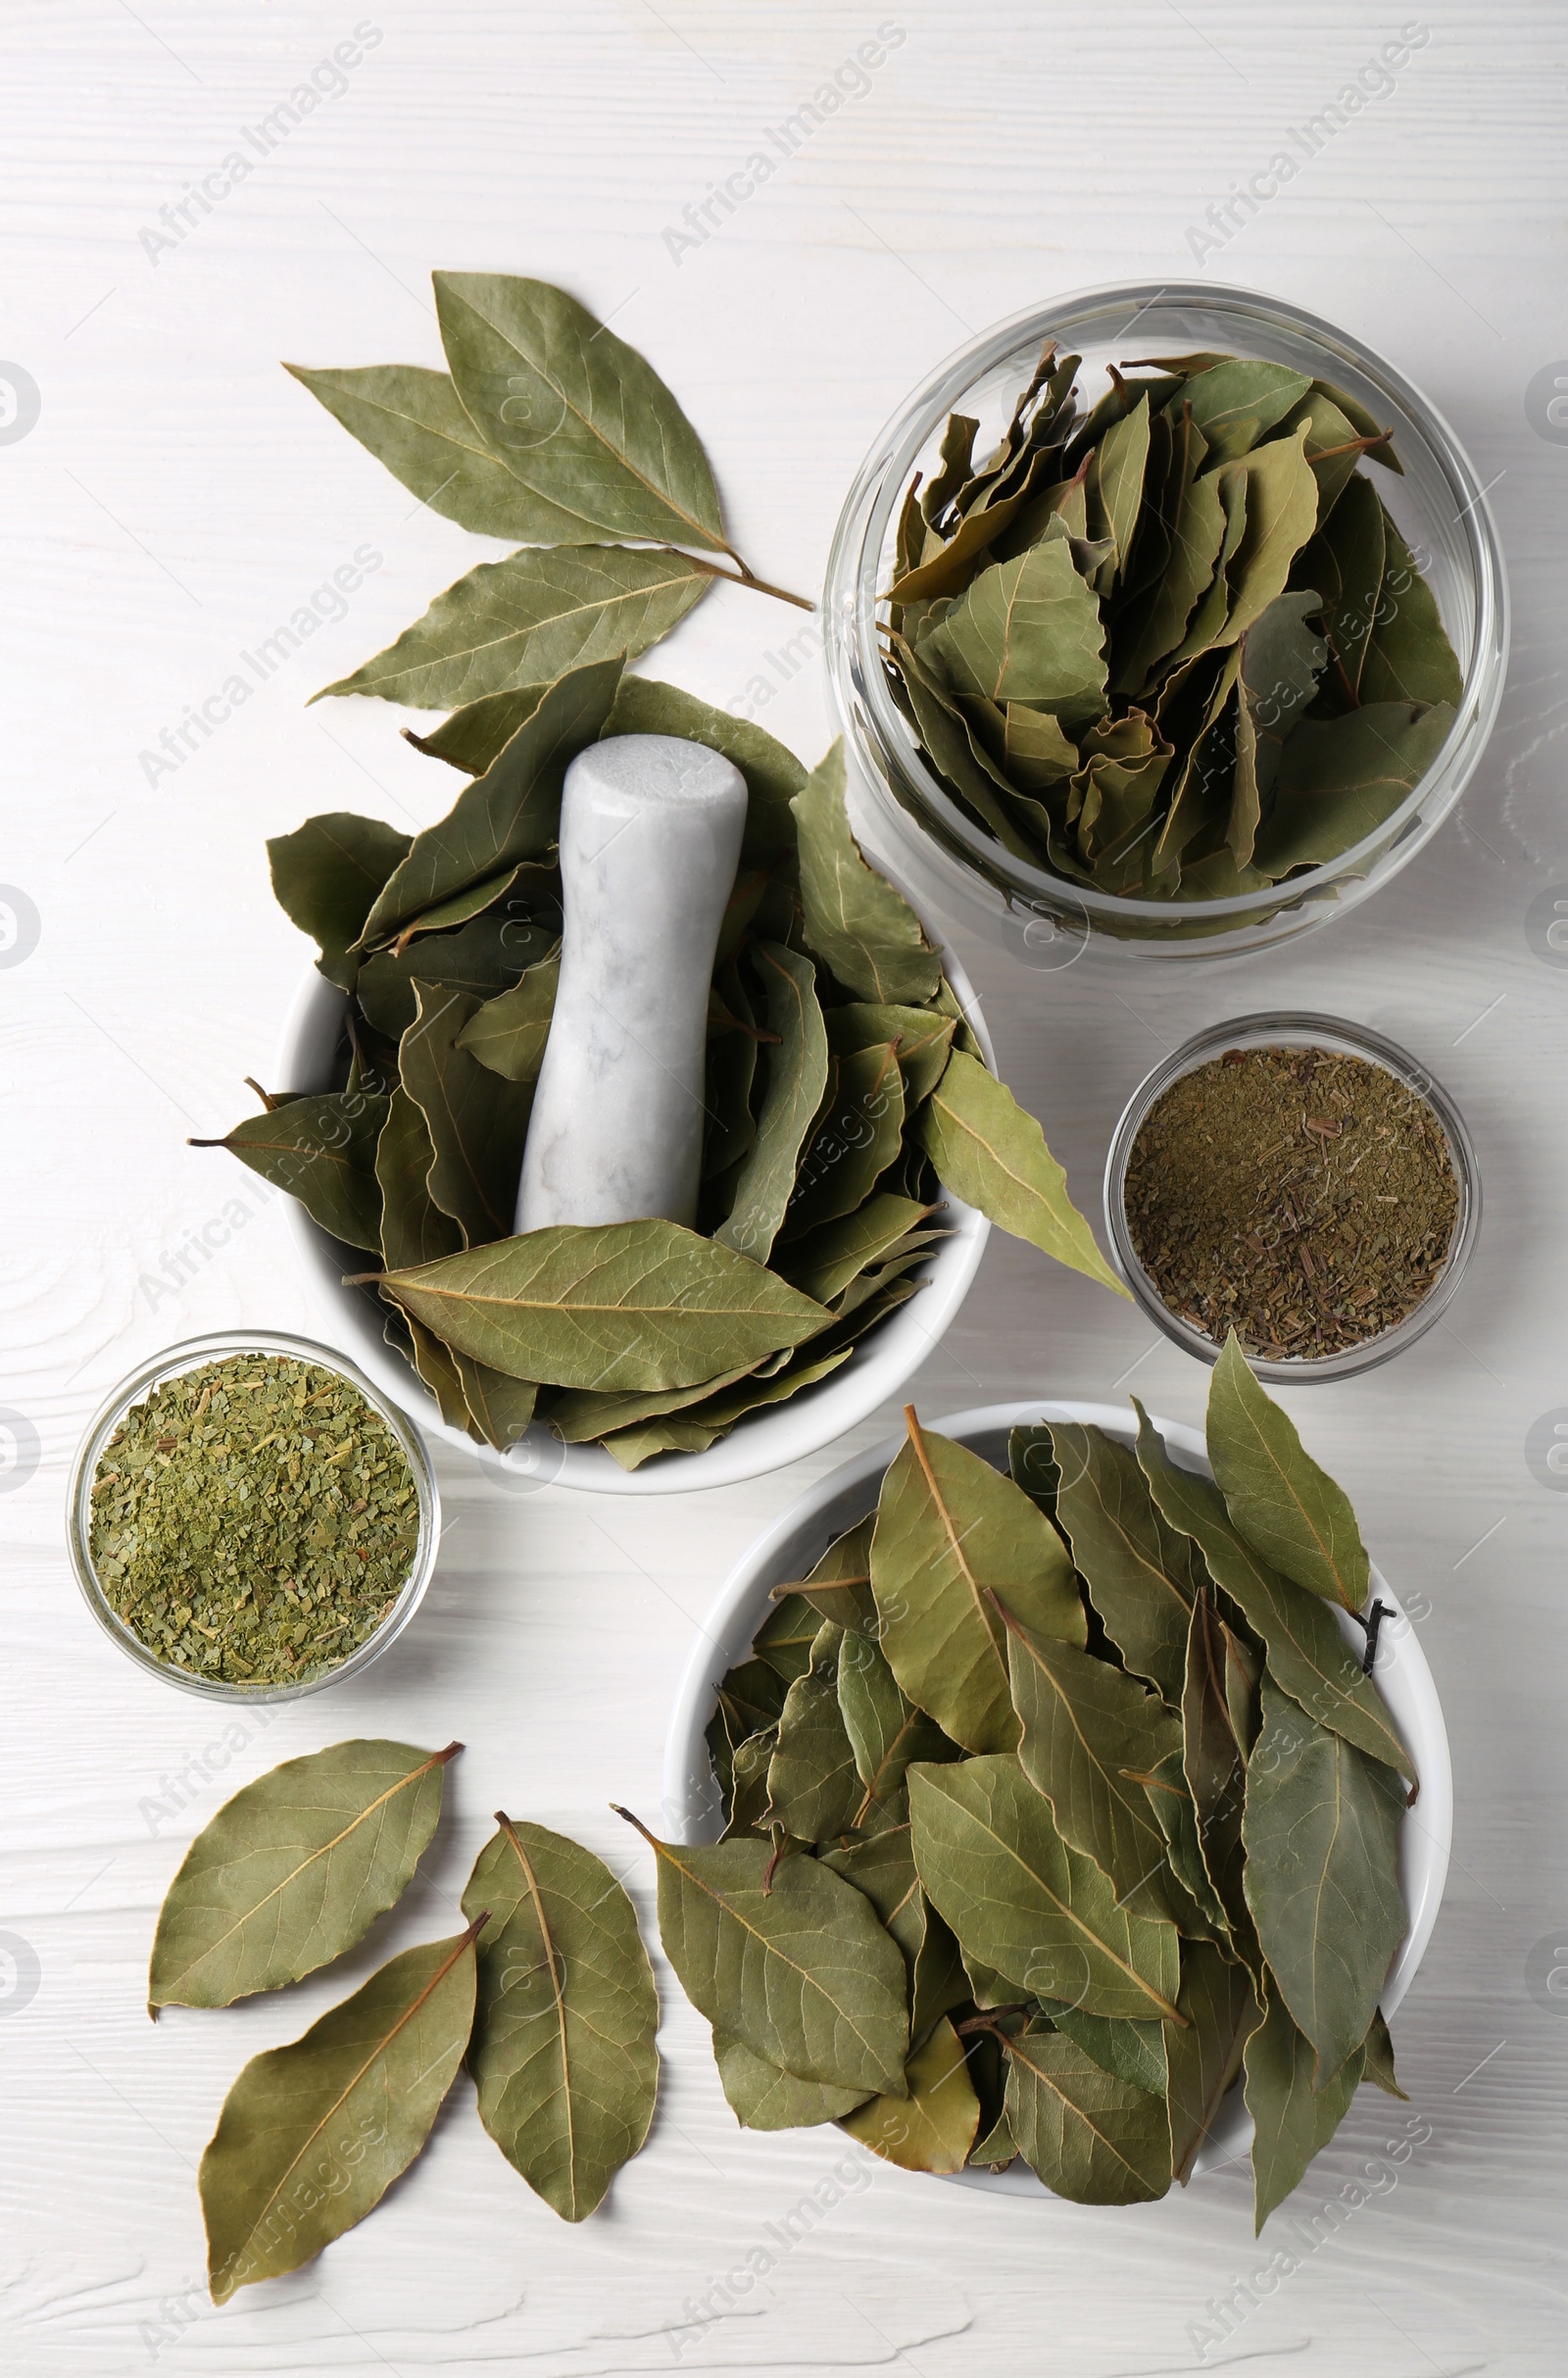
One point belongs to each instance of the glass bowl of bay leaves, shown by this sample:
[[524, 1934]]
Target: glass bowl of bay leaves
[[250, 1519], [1196, 657], [810, 1695]]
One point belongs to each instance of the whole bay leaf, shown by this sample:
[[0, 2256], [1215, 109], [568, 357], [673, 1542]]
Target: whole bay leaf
[[932, 2127], [481, 958], [1280, 512], [583, 1414], [1114, 487], [293, 1871], [785, 1638], [500, 1408], [1089, 2136], [801, 1970], [573, 413], [952, 1534], [1333, 445], [1085, 1725], [1341, 779], [956, 750], [414, 1228], [622, 1305], [1280, 659], [1288, 1508], [320, 1149], [527, 619], [1222, 2013], [824, 1262], [507, 1034], [477, 1123], [1321, 1831], [1021, 1900], [327, 875], [437, 1368], [1292, 2121], [813, 1788], [886, 1732], [921, 1037], [1153, 625], [313, 2135], [1308, 1656], [854, 920], [510, 813], [527, 895], [1026, 630], [1141, 1572], [704, 1422], [1236, 402], [479, 732], [993, 1155], [1408, 655], [1214, 1764], [563, 2054], [856, 1135], [764, 2097], [1135, 2050], [796, 1072], [412, 421]]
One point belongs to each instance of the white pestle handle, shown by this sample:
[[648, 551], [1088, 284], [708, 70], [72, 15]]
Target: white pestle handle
[[651, 834]]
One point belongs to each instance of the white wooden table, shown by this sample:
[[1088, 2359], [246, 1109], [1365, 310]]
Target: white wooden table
[[176, 502]]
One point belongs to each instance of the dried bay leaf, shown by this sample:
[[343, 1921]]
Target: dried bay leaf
[[528, 619], [839, 1587], [1343, 563], [1237, 401], [326, 877], [1379, 2067], [920, 1037], [1222, 2013], [1280, 661], [932, 2127], [803, 1972], [1141, 1572], [1292, 2121], [796, 1072], [1214, 1767], [854, 920], [1201, 1917], [481, 960], [1408, 655], [613, 1305], [563, 2054], [824, 1263], [477, 1123], [764, 2097], [507, 1034], [414, 1228], [1308, 1656], [437, 1368], [293, 1871], [479, 731], [573, 413], [886, 1732], [989, 1151], [1289, 1509], [320, 1149], [313, 2135], [1134, 2050], [500, 1408], [1341, 779], [857, 1134], [1089, 2136], [1321, 1877], [1025, 1904], [813, 1788], [1026, 630], [952, 1533]]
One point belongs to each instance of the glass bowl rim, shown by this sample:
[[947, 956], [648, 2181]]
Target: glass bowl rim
[[190, 1354], [1296, 1028], [883, 474]]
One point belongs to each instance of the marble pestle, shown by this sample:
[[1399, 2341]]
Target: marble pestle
[[651, 834]]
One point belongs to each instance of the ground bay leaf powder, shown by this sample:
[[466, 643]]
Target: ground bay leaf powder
[[252, 1520], [1305, 1198]]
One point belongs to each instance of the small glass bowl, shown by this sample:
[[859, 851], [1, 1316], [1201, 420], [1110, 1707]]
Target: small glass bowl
[[951, 865], [192, 1355], [1296, 1031]]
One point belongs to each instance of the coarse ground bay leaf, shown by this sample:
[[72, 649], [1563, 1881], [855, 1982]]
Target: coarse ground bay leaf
[[855, 919], [1024, 1904], [293, 1871], [1085, 1725], [932, 2127], [528, 619], [477, 1122], [313, 2135], [1222, 2013], [1292, 2121], [1141, 1572], [1321, 1831], [794, 1080], [563, 2053], [764, 2097], [1089, 2136], [1308, 1656], [411, 419], [1287, 1507], [327, 875], [573, 413], [511, 813], [608, 1305], [993, 1155], [801, 1971], [508, 1033], [950, 1534], [322, 1151]]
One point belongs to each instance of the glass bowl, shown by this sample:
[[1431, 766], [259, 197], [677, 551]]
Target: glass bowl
[[951, 864], [1295, 1032], [191, 1355]]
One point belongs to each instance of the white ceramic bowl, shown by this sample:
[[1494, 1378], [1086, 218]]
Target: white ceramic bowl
[[796, 1540], [876, 1370]]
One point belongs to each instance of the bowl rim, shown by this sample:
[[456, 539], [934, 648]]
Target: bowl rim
[[191, 1353], [1290, 1027], [834, 1503], [763, 1442], [878, 485]]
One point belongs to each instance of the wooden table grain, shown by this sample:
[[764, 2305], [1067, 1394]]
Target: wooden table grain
[[171, 523]]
